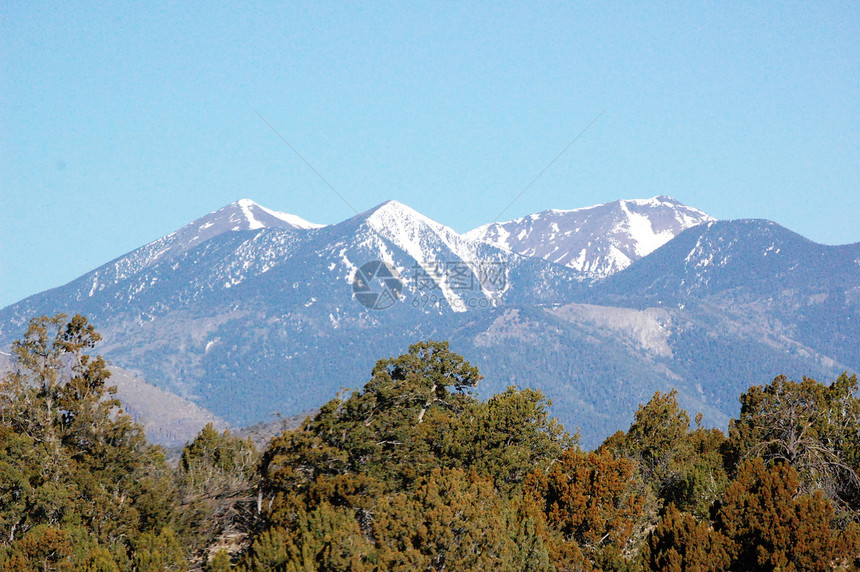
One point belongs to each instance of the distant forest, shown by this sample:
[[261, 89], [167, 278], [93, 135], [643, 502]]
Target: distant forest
[[413, 472]]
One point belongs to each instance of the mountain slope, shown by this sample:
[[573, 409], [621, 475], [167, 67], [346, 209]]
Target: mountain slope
[[598, 240], [754, 270]]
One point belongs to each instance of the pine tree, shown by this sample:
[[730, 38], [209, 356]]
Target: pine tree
[[508, 436], [676, 465], [590, 501], [408, 468], [811, 427], [216, 481], [772, 526], [681, 543]]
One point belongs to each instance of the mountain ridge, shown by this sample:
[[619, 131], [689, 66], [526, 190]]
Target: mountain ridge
[[599, 240]]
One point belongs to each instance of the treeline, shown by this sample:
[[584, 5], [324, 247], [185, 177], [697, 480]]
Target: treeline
[[412, 472]]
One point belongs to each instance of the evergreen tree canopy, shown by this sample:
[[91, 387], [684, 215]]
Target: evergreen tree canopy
[[417, 470], [812, 427], [414, 472], [80, 483]]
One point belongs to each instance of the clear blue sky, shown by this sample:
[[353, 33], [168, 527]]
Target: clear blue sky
[[122, 123]]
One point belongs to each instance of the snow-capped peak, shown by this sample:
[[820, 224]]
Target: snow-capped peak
[[259, 216], [427, 242], [598, 240], [410, 230], [393, 214], [243, 214]]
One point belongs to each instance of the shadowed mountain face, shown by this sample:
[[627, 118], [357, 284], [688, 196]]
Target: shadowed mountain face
[[247, 312], [752, 258]]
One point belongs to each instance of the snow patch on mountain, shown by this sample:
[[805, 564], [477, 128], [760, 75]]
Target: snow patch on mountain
[[645, 239], [246, 205]]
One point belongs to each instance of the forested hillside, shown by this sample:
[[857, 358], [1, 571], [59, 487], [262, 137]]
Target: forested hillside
[[414, 472]]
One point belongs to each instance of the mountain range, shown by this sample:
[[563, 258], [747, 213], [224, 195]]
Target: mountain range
[[247, 313]]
